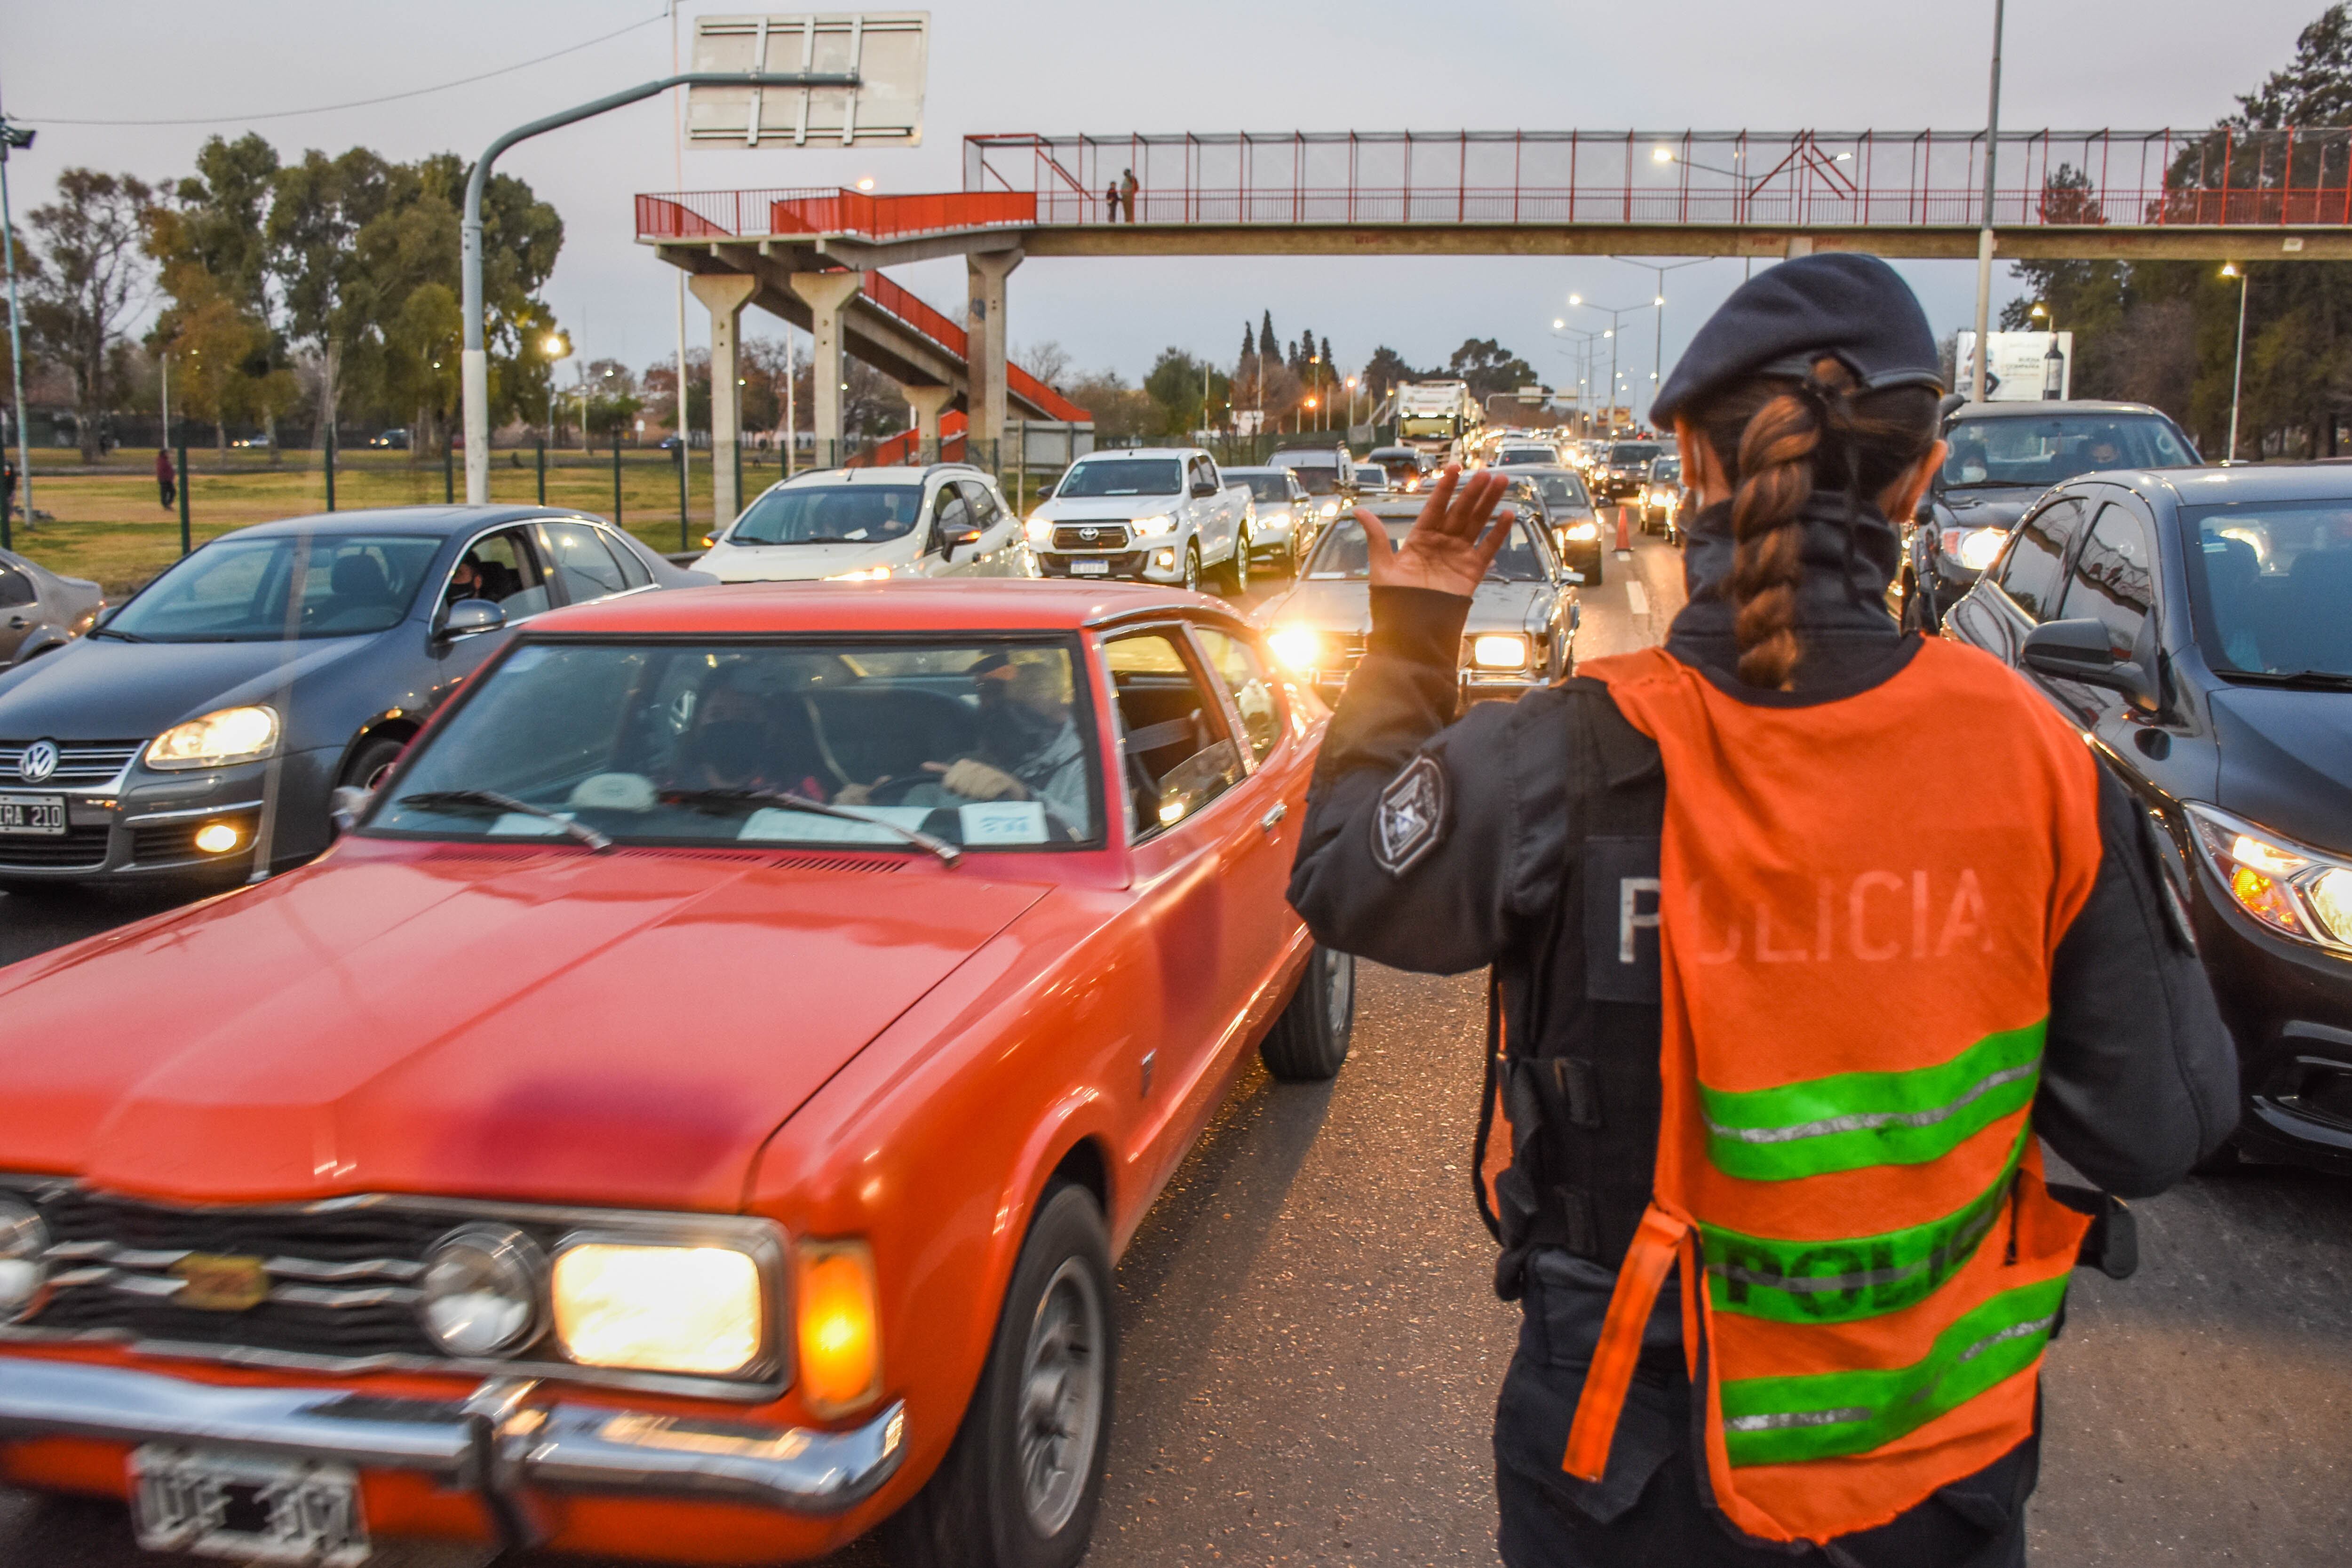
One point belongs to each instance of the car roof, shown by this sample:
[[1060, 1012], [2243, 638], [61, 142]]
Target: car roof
[[440, 520], [1268, 469], [1140, 452], [970, 604], [2246, 482], [896, 474], [2031, 410]]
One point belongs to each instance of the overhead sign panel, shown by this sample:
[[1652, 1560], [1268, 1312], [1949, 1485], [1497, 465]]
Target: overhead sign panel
[[888, 51]]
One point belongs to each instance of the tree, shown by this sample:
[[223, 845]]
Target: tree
[[1265, 338], [1249, 344], [2317, 89], [210, 238], [1119, 411], [90, 278], [1385, 370], [1184, 392], [1488, 367], [1049, 362]]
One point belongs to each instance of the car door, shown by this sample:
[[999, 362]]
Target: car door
[[20, 609], [1178, 761], [950, 519], [2025, 585], [512, 575], [1262, 837], [1211, 515], [578, 564]]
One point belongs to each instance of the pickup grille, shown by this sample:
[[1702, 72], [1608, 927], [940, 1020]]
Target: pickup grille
[[80, 763], [1105, 536]]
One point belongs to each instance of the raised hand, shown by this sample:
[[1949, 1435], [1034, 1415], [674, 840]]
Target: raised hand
[[1450, 544]]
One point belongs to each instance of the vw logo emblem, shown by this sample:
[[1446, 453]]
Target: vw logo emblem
[[1091, 534], [40, 761]]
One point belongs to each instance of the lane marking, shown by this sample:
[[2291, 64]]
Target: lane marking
[[1636, 598]]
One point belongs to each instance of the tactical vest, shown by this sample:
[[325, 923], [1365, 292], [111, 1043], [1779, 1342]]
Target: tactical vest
[[1855, 960]]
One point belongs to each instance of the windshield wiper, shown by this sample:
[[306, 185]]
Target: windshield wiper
[[2316, 679], [1999, 485], [716, 800], [111, 632], [480, 800]]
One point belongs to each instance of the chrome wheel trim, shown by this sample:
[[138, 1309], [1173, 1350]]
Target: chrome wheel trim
[[1242, 562], [1192, 568], [1339, 993], [1059, 1417]]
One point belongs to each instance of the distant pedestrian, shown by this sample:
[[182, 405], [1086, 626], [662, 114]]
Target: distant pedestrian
[[1110, 202], [8, 488], [1126, 190], [167, 477]]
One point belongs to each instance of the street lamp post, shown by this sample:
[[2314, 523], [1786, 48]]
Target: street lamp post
[[1984, 230], [475, 368], [2053, 360], [16, 136], [2237, 376], [557, 348], [1658, 369], [1615, 314]]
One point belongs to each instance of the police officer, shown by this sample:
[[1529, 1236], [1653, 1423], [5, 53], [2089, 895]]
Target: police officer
[[1804, 933]]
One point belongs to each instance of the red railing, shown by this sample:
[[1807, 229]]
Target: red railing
[[1737, 178], [711, 214]]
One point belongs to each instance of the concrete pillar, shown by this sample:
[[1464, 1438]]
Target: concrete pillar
[[827, 295], [985, 349], [1801, 244], [927, 401], [724, 294]]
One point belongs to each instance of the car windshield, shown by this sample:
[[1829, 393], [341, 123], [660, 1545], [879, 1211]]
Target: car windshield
[[830, 514], [2269, 586], [1563, 490], [1627, 453], [1425, 425], [1372, 474], [1528, 455], [1666, 471], [1275, 487], [273, 587], [1318, 472], [1344, 555], [1122, 476], [981, 745], [2040, 452]]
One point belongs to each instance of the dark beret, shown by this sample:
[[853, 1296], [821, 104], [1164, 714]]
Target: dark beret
[[1855, 307]]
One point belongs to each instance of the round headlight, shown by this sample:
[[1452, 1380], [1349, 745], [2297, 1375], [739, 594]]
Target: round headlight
[[483, 1290], [23, 1255], [1979, 547]]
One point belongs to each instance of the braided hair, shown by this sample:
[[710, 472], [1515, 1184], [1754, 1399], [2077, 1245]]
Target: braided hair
[[1779, 441]]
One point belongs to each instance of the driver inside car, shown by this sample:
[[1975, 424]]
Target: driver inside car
[[738, 742], [1028, 748]]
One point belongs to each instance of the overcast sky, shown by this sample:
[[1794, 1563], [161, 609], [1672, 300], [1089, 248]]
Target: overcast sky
[[1112, 67]]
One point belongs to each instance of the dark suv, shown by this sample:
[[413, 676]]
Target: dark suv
[[2003, 457], [2194, 626], [1624, 467]]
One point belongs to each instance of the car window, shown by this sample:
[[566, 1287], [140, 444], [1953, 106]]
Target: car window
[[2113, 580], [1243, 673], [583, 568], [1273, 488], [238, 589], [2271, 584], [985, 513], [951, 515], [829, 514], [981, 744], [504, 568], [1174, 754], [2044, 450], [1563, 490], [2028, 572], [633, 570], [16, 588], [1121, 476]]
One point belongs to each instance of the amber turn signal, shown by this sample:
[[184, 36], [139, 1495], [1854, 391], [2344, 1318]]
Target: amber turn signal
[[840, 1328]]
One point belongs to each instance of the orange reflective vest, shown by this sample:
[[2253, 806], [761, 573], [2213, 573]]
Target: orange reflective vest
[[1859, 905]]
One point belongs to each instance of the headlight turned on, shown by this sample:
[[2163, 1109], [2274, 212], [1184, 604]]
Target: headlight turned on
[[1975, 548], [1040, 529], [2299, 892], [1298, 647], [218, 738], [697, 1309], [1153, 527], [1500, 651], [840, 1330], [1586, 531]]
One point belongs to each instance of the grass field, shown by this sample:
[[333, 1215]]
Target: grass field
[[108, 527]]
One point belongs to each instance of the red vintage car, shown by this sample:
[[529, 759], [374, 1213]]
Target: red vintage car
[[694, 1113]]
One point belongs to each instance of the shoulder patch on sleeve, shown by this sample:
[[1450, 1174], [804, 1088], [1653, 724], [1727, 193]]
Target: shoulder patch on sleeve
[[1412, 818]]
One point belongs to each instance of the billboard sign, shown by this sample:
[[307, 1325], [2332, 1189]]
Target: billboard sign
[[888, 51], [2019, 369]]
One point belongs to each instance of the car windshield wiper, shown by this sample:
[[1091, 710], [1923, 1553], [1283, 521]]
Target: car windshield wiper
[[1998, 485], [120, 637], [2315, 679], [716, 800], [481, 800]]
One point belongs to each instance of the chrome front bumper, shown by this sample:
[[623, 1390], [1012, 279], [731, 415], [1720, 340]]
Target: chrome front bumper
[[497, 1443]]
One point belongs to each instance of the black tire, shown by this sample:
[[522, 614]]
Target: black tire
[[1592, 572], [1193, 567], [981, 1509], [1308, 1042], [373, 762]]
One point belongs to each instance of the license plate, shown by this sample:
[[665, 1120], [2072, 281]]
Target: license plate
[[253, 1509], [32, 816], [1089, 568]]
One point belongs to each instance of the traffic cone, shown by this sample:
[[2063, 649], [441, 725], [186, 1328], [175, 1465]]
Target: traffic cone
[[1624, 536]]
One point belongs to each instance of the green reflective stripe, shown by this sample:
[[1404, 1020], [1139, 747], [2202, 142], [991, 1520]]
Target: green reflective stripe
[[1788, 1420], [1843, 1281], [1850, 1121]]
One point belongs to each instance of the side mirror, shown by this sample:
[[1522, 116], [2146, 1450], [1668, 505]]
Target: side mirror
[[1202, 489], [2078, 651], [948, 542], [1924, 514], [471, 618]]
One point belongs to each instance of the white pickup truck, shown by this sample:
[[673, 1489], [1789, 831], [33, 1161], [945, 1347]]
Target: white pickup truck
[[1157, 514]]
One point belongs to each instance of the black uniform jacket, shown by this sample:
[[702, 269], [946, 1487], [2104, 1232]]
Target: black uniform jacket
[[1475, 865]]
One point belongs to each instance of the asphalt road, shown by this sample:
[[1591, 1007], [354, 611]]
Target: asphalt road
[[1310, 1349]]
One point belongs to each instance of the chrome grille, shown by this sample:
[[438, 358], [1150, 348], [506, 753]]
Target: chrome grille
[[80, 763], [1107, 536]]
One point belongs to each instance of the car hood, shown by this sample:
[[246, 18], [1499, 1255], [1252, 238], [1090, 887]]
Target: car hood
[[96, 689], [1985, 508], [2285, 759], [798, 562], [622, 1028], [1344, 606], [1106, 508]]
